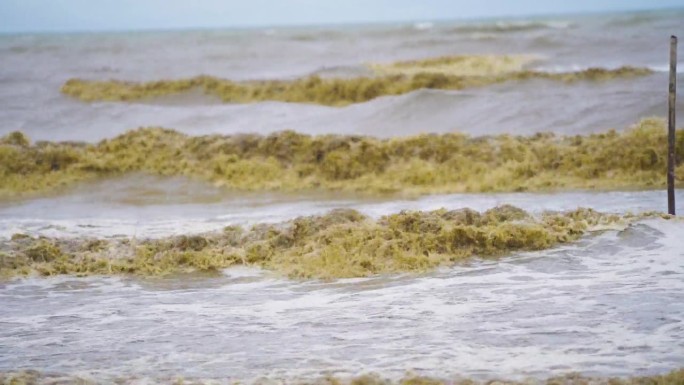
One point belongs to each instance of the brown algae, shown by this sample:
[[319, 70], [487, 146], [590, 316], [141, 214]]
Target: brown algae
[[340, 244], [676, 377], [444, 73], [465, 65], [288, 161], [34, 377]]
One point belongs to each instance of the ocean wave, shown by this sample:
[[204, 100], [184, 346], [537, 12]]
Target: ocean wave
[[633, 20], [23, 49], [483, 36], [291, 162], [665, 68], [511, 26], [566, 68], [317, 36], [43, 377], [558, 69], [286, 247], [343, 71], [446, 73], [545, 42], [427, 42], [423, 26]]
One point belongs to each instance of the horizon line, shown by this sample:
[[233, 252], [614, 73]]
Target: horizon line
[[295, 25]]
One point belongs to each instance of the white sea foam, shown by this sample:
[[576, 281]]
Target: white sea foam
[[423, 26], [173, 215], [611, 304], [665, 68]]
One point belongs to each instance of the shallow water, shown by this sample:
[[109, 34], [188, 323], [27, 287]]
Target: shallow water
[[612, 304], [149, 206]]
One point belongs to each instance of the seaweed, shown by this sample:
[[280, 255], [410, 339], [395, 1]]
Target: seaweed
[[675, 377], [288, 161], [445, 73], [342, 243]]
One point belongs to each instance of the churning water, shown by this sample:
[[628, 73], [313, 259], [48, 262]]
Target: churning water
[[612, 304]]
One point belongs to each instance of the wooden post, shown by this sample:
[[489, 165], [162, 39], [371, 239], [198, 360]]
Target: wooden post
[[672, 100]]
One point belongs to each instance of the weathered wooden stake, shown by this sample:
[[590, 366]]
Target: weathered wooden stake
[[672, 100]]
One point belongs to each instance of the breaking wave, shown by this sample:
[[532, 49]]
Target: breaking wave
[[511, 26]]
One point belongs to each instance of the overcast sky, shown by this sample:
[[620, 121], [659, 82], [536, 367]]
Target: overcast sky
[[93, 15]]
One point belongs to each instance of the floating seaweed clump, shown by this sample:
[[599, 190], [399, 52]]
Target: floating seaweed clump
[[445, 73], [464, 65], [288, 161], [342, 243], [34, 377]]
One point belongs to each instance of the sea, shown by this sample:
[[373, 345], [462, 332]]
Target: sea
[[611, 304]]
